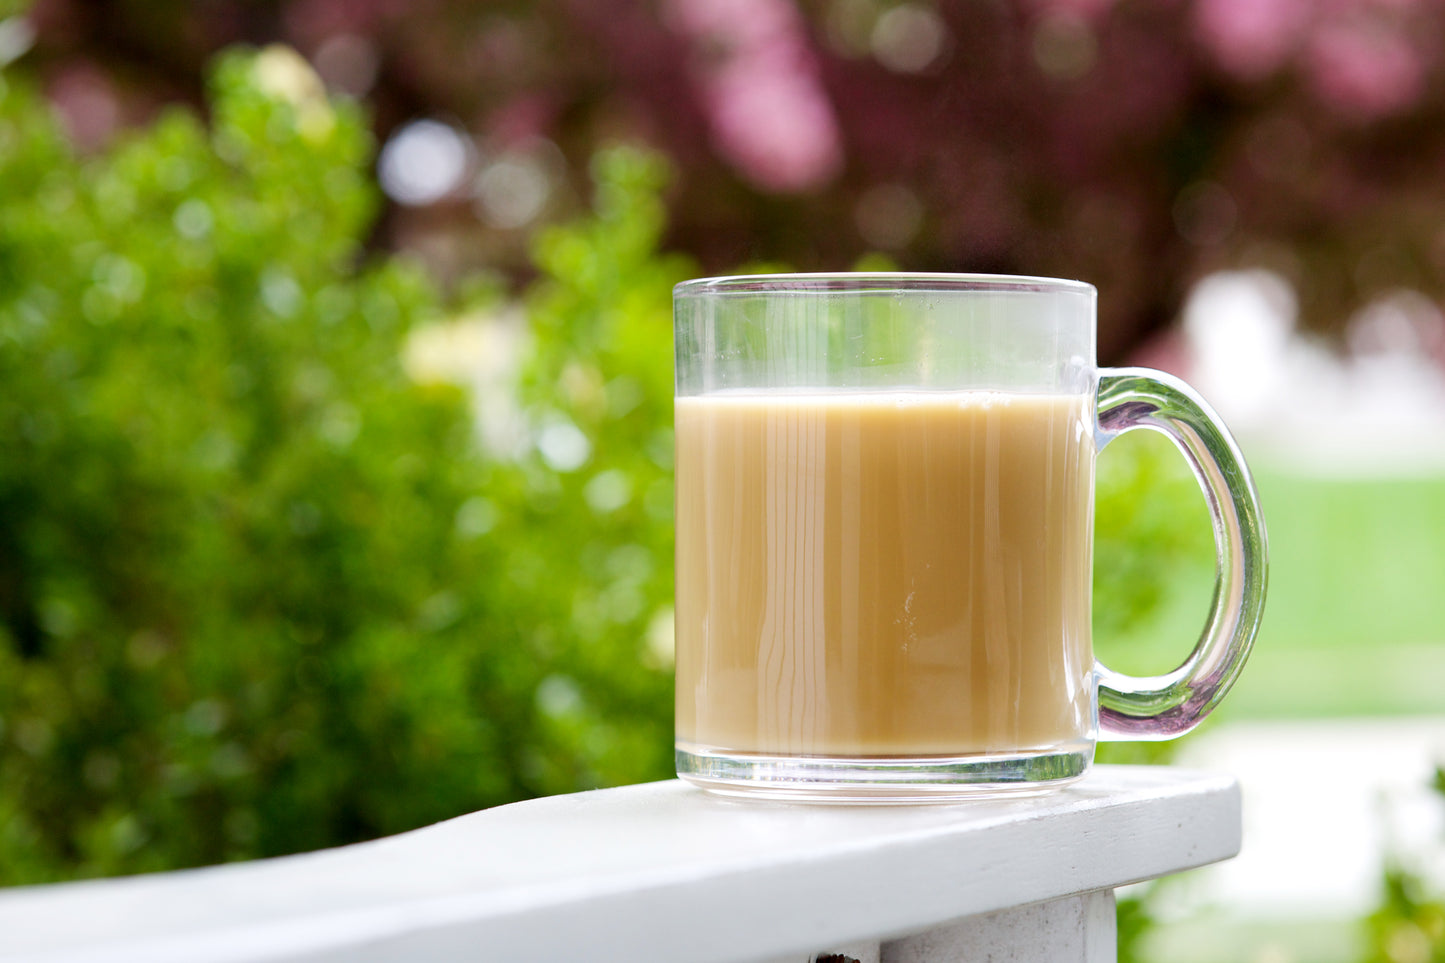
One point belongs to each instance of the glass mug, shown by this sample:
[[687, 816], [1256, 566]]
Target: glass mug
[[885, 490]]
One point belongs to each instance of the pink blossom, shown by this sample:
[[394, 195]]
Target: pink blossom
[[1252, 38], [775, 125], [1369, 73], [526, 117], [737, 22], [86, 101], [769, 114]]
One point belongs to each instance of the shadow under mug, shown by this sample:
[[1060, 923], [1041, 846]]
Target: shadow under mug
[[885, 488]]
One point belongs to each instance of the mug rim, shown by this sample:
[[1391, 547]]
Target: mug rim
[[877, 282]]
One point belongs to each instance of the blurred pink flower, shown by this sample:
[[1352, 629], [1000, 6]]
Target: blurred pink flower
[[86, 101], [526, 117], [1364, 71], [735, 22], [1252, 38], [770, 116], [776, 125]]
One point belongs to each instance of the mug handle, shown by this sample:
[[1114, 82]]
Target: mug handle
[[1166, 706]]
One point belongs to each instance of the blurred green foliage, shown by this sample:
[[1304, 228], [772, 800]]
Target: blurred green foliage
[[1151, 525], [261, 590], [1409, 924], [589, 520], [249, 603]]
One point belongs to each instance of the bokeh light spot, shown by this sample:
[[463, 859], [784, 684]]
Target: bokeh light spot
[[661, 652], [347, 63], [563, 446], [17, 35], [1064, 47], [558, 695], [909, 38], [423, 162], [476, 517], [608, 491], [1205, 213], [512, 191], [888, 216], [193, 219]]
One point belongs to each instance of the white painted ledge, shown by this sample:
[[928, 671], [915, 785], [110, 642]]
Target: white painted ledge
[[658, 872]]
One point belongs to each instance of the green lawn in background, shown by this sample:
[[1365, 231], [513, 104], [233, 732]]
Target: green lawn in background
[[1355, 618]]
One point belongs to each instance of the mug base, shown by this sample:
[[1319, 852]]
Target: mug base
[[882, 779]]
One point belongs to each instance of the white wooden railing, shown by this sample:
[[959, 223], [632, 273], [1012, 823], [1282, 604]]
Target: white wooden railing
[[665, 872]]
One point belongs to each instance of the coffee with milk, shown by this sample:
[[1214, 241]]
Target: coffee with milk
[[888, 574]]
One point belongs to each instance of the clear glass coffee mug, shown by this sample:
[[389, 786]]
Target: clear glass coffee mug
[[885, 491]]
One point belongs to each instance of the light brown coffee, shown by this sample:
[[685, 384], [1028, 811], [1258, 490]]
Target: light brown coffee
[[890, 574]]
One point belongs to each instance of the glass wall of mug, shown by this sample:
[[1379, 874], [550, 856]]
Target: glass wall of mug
[[884, 536]]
